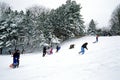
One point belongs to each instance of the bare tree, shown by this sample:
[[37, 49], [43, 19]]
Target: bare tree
[[3, 7], [37, 10]]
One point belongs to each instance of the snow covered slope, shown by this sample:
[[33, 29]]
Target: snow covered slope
[[100, 62]]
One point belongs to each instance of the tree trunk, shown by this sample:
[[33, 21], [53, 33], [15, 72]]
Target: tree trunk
[[0, 50]]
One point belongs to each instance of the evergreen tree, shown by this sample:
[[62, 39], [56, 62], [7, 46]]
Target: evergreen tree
[[8, 28], [18, 20], [39, 25], [68, 21], [41, 22], [115, 21], [91, 28], [28, 27]]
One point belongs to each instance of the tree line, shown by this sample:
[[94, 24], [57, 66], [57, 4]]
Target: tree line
[[113, 28], [38, 25], [31, 29]]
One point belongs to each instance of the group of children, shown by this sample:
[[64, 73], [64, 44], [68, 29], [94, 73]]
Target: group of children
[[83, 47], [46, 50], [49, 50]]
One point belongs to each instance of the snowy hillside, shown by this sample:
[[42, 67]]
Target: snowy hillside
[[100, 62]]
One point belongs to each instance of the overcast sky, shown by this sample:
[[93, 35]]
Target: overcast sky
[[98, 10]]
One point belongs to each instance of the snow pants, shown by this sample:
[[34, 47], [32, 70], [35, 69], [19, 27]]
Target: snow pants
[[82, 50], [15, 62]]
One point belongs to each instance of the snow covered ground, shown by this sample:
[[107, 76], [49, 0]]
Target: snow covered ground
[[100, 62]]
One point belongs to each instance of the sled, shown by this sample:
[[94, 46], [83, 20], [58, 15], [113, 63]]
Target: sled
[[11, 65]]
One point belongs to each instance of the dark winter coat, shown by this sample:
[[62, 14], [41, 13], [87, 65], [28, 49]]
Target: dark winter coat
[[85, 45], [72, 46], [57, 48], [16, 57], [44, 49]]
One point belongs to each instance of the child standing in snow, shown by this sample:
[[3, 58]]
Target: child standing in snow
[[96, 39], [83, 48], [50, 50], [57, 48], [16, 56], [44, 51]]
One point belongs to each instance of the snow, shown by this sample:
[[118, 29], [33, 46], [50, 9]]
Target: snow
[[13, 31], [2, 27], [100, 62], [3, 36], [1, 43], [55, 40]]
